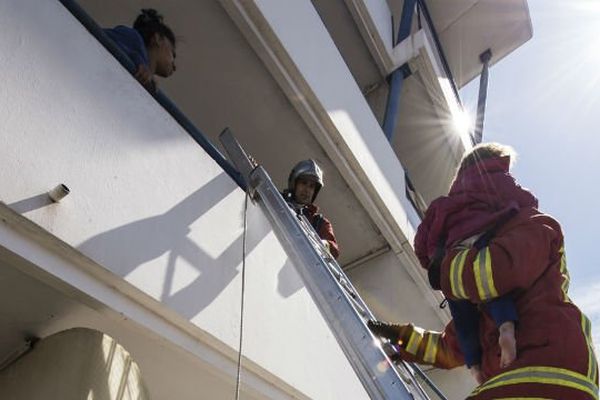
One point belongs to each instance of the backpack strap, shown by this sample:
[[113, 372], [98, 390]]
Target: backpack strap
[[434, 267]]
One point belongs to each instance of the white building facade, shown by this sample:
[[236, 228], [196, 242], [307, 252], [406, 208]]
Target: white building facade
[[148, 248]]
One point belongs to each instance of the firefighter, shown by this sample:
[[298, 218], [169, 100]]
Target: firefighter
[[524, 260], [304, 183]]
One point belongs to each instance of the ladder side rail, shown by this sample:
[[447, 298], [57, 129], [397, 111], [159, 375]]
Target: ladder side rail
[[332, 296], [355, 338], [362, 308]]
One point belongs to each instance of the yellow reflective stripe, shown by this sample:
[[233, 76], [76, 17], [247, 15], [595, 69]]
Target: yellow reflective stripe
[[586, 326], [414, 341], [431, 349], [564, 273], [542, 375], [484, 279], [522, 398], [489, 274], [456, 271], [538, 369]]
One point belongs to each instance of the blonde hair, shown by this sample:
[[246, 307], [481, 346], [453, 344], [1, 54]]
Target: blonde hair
[[487, 150]]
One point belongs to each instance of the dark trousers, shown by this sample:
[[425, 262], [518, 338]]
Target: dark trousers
[[466, 322]]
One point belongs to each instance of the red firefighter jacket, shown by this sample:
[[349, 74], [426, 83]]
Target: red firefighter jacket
[[555, 356], [323, 227]]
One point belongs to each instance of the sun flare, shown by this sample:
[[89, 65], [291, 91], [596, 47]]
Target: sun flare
[[462, 121]]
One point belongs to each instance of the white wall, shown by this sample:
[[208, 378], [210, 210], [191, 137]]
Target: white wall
[[391, 292], [146, 202]]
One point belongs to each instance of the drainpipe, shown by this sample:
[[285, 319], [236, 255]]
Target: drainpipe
[[398, 76], [485, 58]]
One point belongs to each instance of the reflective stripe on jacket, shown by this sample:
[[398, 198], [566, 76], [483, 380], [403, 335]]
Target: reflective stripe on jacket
[[555, 354]]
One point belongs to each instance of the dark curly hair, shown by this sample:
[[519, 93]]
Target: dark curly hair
[[150, 22]]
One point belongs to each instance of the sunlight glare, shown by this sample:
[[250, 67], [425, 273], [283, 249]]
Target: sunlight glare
[[462, 121]]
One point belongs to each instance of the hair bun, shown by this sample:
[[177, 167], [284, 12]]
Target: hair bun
[[149, 23], [151, 15]]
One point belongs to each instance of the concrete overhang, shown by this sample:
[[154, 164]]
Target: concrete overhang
[[427, 130], [467, 28], [427, 141]]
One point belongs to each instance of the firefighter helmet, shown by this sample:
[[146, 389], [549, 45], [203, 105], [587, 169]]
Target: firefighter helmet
[[306, 168]]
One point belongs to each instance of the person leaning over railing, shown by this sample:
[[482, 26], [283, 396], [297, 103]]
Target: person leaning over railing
[[150, 44], [523, 262]]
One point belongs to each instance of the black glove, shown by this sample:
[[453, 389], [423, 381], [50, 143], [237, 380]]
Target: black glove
[[385, 330]]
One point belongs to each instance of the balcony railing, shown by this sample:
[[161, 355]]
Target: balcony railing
[[160, 97]]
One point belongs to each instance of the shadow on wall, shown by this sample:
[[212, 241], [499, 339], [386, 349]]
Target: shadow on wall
[[31, 203], [125, 248], [289, 281]]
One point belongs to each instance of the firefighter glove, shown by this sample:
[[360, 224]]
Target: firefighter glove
[[392, 332]]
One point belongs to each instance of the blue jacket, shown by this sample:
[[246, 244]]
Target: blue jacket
[[131, 42]]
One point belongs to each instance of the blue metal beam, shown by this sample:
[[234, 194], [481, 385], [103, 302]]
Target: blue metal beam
[[393, 102], [398, 76], [485, 58], [408, 10]]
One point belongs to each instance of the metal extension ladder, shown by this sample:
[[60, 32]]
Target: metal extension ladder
[[335, 296]]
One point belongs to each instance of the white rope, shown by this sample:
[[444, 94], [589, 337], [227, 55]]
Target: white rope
[[243, 292]]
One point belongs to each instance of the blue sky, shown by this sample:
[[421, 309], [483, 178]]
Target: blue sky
[[544, 100]]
